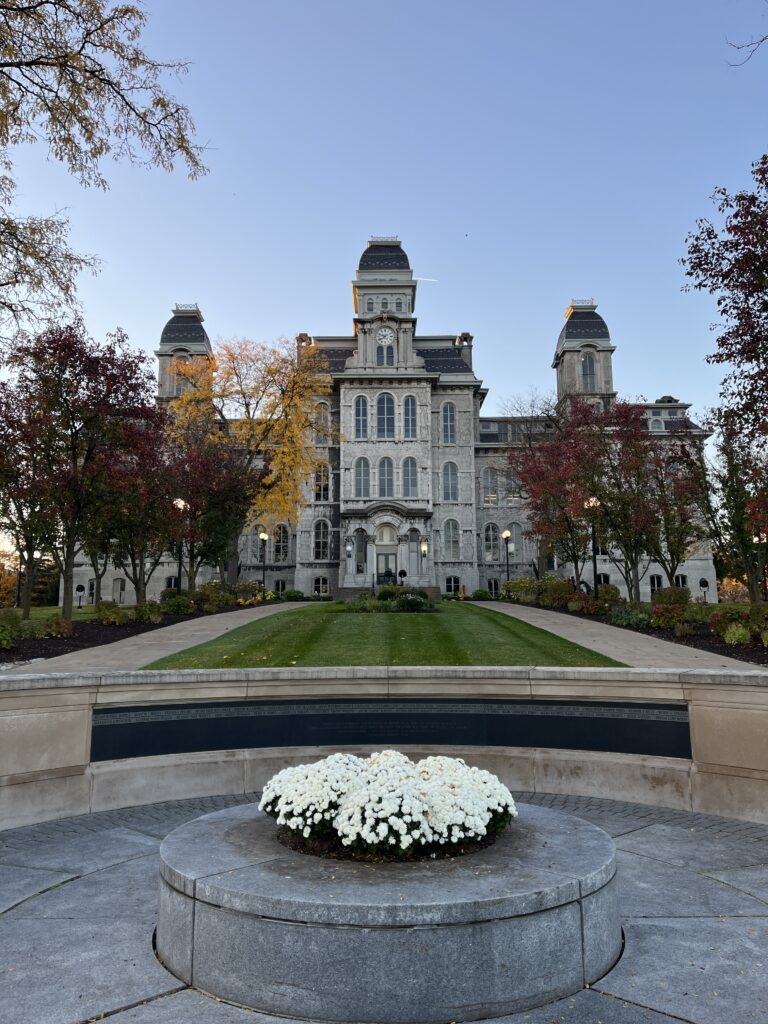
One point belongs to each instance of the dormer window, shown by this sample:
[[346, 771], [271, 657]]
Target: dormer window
[[399, 306], [369, 306], [385, 304]]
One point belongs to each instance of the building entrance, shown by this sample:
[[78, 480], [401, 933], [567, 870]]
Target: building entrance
[[386, 568]]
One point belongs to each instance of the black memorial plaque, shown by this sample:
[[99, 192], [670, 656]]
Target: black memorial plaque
[[628, 728]]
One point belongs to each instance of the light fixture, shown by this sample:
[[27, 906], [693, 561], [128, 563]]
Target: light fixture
[[348, 548], [424, 546]]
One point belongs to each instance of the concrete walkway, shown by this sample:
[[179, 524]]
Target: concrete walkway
[[78, 905], [137, 651], [633, 649]]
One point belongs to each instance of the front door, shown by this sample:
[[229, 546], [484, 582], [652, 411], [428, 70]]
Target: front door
[[386, 568]]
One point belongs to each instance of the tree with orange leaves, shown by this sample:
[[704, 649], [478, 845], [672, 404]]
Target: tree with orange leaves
[[258, 400]]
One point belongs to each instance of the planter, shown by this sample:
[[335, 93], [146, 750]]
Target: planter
[[530, 919]]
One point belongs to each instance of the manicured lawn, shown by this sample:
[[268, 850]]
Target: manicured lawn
[[78, 614], [325, 635]]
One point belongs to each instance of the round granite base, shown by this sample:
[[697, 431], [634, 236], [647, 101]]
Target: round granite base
[[530, 919]]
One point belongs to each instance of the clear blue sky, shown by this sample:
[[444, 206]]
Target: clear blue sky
[[524, 152]]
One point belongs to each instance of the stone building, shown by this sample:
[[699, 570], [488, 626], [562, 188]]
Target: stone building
[[414, 483]]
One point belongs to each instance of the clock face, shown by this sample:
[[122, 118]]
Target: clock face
[[385, 336]]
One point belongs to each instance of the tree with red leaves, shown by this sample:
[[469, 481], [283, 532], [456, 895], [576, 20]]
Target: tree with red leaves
[[730, 261], [76, 407], [605, 464]]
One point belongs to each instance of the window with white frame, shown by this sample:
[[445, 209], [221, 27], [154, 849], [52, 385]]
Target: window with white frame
[[681, 580], [385, 416], [361, 418], [362, 478], [493, 588], [450, 482], [322, 545], [385, 355], [603, 579], [449, 423], [656, 582], [452, 585], [281, 540], [322, 424], [410, 479], [279, 587], [451, 547], [490, 486], [515, 541], [386, 479], [409, 418], [320, 585], [491, 543], [322, 483]]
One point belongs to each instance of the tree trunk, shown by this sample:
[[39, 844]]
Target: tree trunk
[[68, 578], [635, 584], [233, 563], [191, 571], [28, 582]]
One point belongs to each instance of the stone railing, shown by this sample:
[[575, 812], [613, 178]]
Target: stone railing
[[72, 743]]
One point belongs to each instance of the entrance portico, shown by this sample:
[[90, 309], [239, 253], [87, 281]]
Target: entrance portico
[[382, 543]]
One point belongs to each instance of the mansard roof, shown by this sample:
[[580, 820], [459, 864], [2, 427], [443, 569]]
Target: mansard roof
[[185, 329], [584, 325], [384, 254]]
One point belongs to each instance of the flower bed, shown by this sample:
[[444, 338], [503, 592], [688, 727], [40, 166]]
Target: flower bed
[[388, 807]]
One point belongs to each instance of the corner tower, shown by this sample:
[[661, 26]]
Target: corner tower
[[183, 338], [583, 357]]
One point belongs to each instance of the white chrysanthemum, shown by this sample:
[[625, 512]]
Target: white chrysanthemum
[[387, 800]]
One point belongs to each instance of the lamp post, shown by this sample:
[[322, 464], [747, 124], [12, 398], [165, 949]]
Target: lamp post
[[592, 505], [264, 537], [505, 537], [182, 506]]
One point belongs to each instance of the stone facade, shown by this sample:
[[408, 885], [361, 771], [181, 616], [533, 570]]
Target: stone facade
[[415, 484]]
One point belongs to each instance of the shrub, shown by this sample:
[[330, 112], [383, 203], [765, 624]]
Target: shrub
[[667, 616], [730, 591], [7, 636], [388, 592], [720, 620], [593, 606], [481, 595], [213, 597], [611, 593], [10, 627], [574, 604], [672, 595], [411, 602], [175, 602], [110, 614], [737, 634], [758, 617], [700, 612], [293, 595], [247, 589], [57, 626], [150, 611], [630, 618], [683, 629], [31, 629], [764, 638]]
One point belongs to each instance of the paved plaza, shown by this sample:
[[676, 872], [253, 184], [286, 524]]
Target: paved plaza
[[78, 898]]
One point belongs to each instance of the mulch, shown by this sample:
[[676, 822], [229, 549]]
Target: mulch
[[85, 634]]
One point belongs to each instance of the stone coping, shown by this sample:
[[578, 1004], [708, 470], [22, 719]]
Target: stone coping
[[383, 675], [232, 859]]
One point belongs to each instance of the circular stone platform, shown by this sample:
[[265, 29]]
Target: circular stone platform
[[528, 920]]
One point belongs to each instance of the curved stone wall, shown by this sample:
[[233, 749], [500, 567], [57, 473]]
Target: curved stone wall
[[687, 740]]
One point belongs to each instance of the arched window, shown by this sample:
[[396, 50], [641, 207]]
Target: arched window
[[362, 479], [657, 424], [491, 543], [322, 545], [281, 539], [386, 479], [385, 416], [409, 418], [279, 587], [361, 550], [385, 355], [587, 373], [322, 424], [180, 381], [515, 542], [450, 539], [490, 486], [656, 583], [410, 479], [493, 588], [450, 482], [361, 418], [322, 483], [398, 305], [369, 305], [452, 585], [257, 544], [385, 304], [449, 423]]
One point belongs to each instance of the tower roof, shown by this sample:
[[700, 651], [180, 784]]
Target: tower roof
[[583, 323], [185, 328], [384, 253]]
